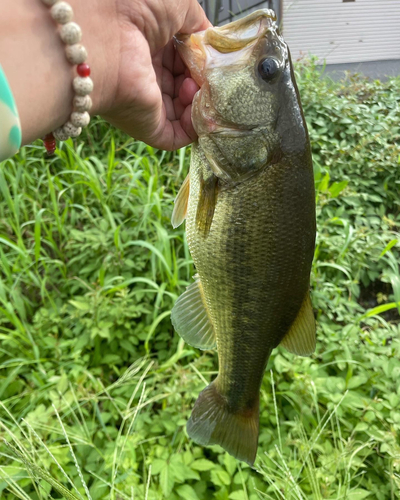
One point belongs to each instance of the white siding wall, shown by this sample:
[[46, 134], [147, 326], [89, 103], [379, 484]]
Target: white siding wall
[[340, 32]]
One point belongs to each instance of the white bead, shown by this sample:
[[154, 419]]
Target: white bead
[[60, 134], [62, 12], [76, 54], [82, 103], [82, 85], [71, 33], [49, 2], [71, 130], [80, 119]]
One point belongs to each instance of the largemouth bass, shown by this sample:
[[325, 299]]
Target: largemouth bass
[[250, 222]]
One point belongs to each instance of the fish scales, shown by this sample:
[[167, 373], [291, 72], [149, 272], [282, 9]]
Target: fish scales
[[253, 284], [250, 221]]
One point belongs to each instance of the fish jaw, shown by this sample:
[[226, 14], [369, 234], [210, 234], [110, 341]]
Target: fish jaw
[[205, 118], [224, 45], [192, 50]]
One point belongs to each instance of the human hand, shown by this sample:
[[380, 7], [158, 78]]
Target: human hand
[[151, 97], [139, 79]]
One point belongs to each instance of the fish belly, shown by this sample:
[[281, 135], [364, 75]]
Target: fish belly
[[254, 266]]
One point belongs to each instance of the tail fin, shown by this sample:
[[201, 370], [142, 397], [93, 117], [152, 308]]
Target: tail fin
[[212, 422]]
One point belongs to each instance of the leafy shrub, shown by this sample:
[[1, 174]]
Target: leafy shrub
[[96, 387]]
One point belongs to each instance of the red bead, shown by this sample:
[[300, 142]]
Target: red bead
[[49, 143], [83, 70]]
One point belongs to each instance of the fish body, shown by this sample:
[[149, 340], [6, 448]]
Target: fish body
[[250, 222]]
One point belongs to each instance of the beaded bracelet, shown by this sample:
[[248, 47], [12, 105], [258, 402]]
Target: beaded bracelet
[[71, 35]]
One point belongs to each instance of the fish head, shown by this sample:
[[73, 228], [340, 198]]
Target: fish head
[[247, 111]]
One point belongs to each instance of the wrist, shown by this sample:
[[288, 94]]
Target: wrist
[[98, 21]]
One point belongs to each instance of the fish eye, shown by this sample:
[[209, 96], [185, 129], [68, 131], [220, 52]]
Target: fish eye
[[268, 68]]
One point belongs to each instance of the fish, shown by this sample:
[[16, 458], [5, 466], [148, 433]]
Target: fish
[[249, 205]]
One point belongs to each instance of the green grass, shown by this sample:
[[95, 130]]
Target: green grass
[[96, 388]]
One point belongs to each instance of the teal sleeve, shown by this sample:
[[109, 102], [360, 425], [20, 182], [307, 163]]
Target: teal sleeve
[[10, 127]]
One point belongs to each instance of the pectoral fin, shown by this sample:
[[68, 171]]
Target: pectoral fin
[[191, 319], [181, 203], [206, 204], [300, 339]]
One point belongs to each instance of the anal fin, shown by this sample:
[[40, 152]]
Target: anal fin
[[181, 203], [300, 339], [191, 319]]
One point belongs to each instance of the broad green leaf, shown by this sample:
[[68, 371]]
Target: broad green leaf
[[394, 400], [238, 495], [202, 464], [230, 464], [187, 492], [357, 381], [323, 185], [358, 494], [183, 472], [82, 305], [220, 477], [337, 187], [157, 466], [167, 480]]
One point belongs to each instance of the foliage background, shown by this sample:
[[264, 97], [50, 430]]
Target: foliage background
[[96, 387]]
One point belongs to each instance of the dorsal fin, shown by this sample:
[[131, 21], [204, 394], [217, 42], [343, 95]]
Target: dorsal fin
[[300, 339], [191, 319], [181, 203]]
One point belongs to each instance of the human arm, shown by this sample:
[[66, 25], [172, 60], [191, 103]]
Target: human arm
[[140, 83]]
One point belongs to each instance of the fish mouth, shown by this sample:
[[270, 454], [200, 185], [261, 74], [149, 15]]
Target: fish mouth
[[192, 51], [207, 121], [224, 131], [203, 49], [214, 124]]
